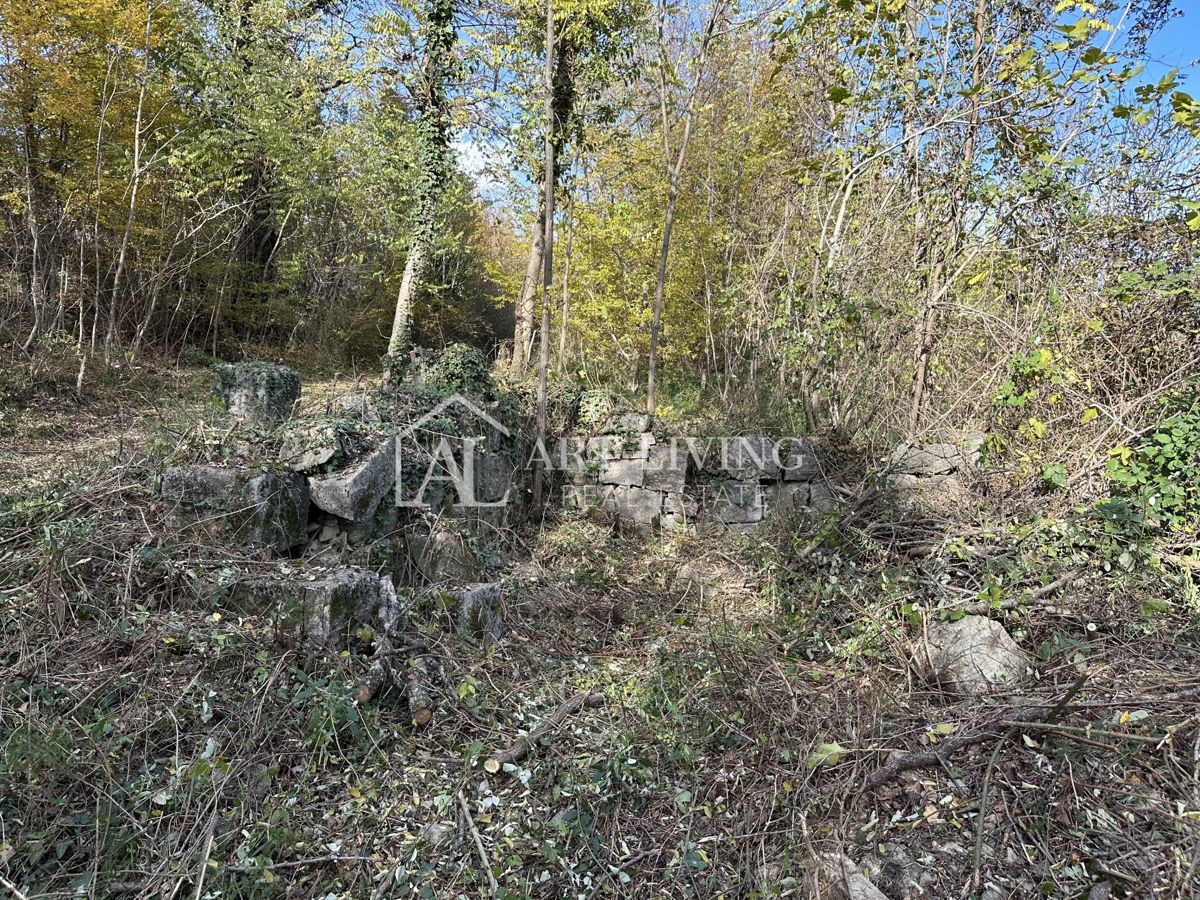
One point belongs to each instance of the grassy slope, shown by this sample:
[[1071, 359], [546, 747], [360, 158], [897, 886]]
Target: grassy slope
[[156, 744]]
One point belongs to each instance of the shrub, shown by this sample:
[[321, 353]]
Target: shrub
[[462, 369], [1160, 475]]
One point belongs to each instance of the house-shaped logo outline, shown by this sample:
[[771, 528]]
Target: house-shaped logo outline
[[471, 407], [412, 427]]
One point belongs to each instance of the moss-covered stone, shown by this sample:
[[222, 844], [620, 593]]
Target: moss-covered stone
[[236, 506], [332, 610], [258, 393]]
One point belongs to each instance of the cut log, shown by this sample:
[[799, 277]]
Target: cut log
[[420, 701], [520, 749]]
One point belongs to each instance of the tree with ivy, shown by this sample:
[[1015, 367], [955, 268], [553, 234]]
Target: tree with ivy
[[435, 158]]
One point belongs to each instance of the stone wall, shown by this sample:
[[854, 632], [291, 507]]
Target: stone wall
[[657, 481]]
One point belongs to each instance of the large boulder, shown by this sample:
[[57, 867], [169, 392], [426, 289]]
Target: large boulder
[[258, 393], [355, 492], [234, 506], [972, 657]]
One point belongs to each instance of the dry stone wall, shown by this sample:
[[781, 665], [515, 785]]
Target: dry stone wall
[[654, 481]]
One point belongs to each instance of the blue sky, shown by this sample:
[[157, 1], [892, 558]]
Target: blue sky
[[1177, 45]]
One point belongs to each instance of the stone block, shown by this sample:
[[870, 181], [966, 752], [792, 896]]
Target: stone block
[[443, 555], [478, 611], [608, 447], [634, 505], [738, 503], [800, 460], [569, 456], [666, 467], [258, 393], [821, 498], [787, 498], [328, 610], [233, 506], [679, 510], [307, 447], [930, 460], [355, 492], [630, 423], [749, 457], [628, 472]]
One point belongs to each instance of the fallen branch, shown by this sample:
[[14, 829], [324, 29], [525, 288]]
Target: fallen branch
[[420, 701], [300, 863], [996, 729], [1034, 598], [8, 885], [525, 743]]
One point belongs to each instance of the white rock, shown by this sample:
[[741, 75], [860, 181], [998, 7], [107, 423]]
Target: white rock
[[972, 657]]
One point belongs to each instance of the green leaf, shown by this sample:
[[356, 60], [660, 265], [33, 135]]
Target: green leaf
[[1154, 606], [838, 94], [826, 755]]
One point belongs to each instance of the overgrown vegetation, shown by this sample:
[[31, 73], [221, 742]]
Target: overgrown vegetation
[[869, 224]]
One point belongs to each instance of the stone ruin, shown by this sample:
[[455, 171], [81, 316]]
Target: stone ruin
[[935, 475], [324, 509], [652, 481], [257, 393]]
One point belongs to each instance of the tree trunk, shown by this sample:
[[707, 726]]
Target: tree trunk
[[135, 183], [548, 184], [562, 102], [523, 333], [435, 120], [564, 316], [402, 321], [929, 314]]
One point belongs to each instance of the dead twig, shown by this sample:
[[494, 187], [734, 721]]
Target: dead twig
[[1013, 727], [952, 745], [483, 859]]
